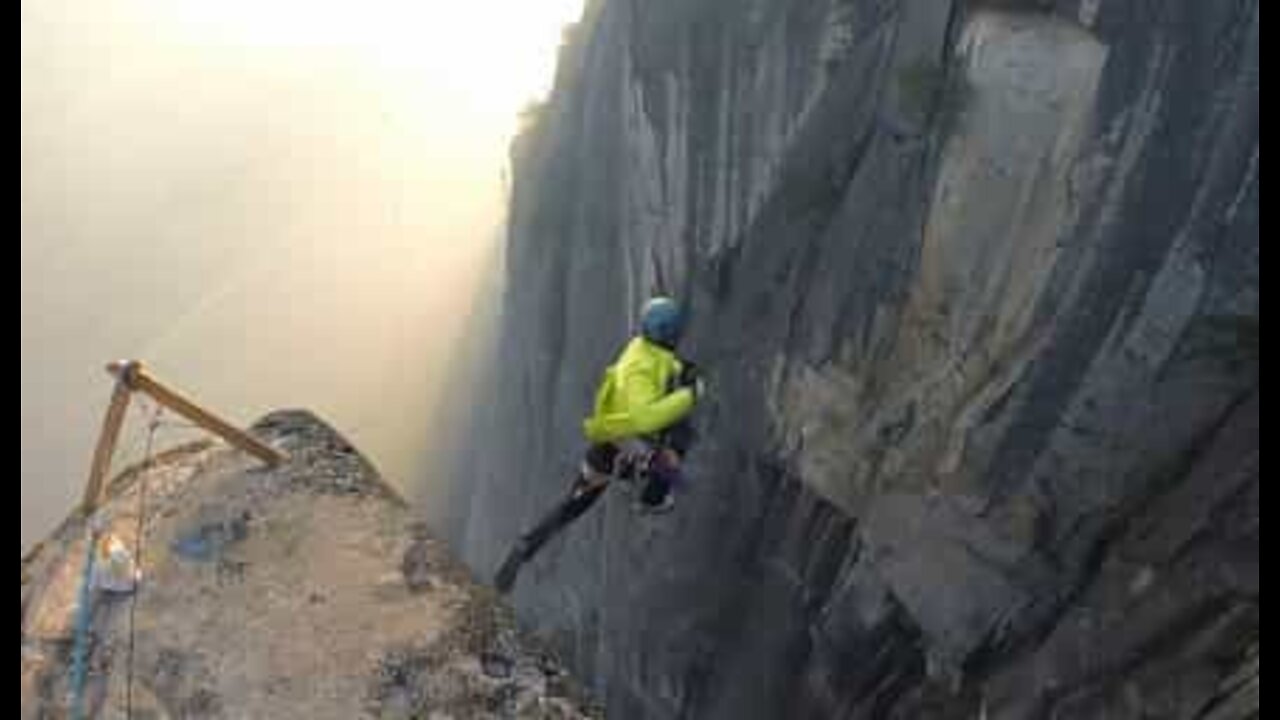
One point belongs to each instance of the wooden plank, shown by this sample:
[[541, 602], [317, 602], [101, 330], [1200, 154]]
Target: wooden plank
[[107, 438], [137, 377]]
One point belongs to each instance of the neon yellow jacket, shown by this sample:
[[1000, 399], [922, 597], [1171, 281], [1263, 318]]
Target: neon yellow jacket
[[633, 400]]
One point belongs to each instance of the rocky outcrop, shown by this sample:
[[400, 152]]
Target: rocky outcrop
[[977, 285], [306, 591]]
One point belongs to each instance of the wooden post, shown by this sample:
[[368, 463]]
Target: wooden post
[[137, 378], [131, 376], [111, 424]]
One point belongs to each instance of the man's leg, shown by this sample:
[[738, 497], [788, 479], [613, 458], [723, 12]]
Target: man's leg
[[590, 484], [680, 437], [664, 474], [571, 508], [587, 488]]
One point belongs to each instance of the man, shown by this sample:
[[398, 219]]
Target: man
[[638, 430]]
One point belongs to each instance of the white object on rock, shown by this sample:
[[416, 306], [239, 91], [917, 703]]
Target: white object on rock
[[115, 569]]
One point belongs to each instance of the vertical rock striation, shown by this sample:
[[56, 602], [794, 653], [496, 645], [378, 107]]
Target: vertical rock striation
[[978, 287]]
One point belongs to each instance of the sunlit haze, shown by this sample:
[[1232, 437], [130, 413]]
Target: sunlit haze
[[489, 56], [275, 204]]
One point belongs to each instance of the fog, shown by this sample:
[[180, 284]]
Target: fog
[[273, 205]]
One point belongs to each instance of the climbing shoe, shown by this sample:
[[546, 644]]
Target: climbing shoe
[[667, 505], [505, 578]]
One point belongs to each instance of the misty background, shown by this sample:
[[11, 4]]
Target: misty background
[[276, 205]]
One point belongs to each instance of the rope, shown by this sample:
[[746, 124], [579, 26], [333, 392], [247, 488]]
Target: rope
[[84, 608], [139, 530], [84, 613], [127, 450], [79, 657]]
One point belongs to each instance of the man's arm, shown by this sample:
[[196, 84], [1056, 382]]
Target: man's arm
[[649, 404], [663, 412]]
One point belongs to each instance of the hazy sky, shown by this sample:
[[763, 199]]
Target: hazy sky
[[274, 203]]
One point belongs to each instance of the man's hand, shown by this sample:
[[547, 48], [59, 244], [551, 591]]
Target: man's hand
[[691, 377], [688, 373]]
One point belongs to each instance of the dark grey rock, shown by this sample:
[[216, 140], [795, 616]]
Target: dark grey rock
[[976, 286]]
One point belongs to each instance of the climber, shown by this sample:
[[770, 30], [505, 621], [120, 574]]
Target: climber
[[638, 432]]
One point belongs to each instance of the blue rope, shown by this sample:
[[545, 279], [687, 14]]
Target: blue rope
[[84, 612], [139, 534]]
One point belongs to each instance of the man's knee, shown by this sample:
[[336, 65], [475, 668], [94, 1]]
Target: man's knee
[[598, 463], [665, 468], [680, 437], [664, 477]]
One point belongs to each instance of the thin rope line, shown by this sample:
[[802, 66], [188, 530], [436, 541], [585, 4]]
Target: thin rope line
[[139, 531]]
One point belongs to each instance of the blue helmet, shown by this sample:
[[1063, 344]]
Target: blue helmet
[[662, 322]]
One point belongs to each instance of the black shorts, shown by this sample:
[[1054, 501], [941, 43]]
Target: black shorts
[[601, 457], [679, 437]]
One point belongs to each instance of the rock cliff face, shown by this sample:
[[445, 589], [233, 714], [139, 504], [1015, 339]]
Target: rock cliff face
[[305, 591], [977, 286]]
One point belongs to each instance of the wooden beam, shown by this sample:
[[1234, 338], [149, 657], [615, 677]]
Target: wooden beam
[[137, 378], [107, 438]]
